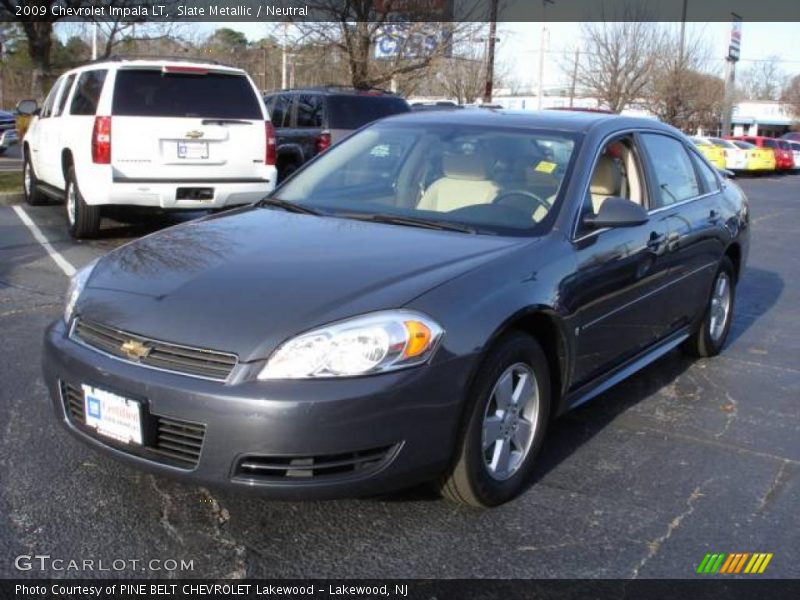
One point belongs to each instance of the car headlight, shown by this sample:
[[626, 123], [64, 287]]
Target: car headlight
[[372, 343], [76, 285]]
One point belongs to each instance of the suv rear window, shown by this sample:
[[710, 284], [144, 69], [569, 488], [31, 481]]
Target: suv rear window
[[351, 111], [87, 92], [151, 93]]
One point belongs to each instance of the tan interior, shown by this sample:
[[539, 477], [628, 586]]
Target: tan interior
[[465, 183]]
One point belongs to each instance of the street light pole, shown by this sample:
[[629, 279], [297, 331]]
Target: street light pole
[[540, 95], [283, 55], [489, 84]]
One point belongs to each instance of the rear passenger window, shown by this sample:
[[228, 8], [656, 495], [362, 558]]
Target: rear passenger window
[[707, 175], [279, 110], [62, 102], [675, 177], [87, 92], [309, 111]]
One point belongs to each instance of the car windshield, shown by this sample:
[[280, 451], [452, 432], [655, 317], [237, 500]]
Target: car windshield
[[487, 178], [745, 145], [722, 143]]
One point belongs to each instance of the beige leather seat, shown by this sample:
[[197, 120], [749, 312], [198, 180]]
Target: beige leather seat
[[606, 181], [465, 183]]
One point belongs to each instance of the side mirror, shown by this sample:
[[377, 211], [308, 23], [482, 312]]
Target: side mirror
[[617, 212], [27, 107], [726, 173]]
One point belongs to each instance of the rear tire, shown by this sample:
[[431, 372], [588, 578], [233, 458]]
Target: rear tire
[[83, 220], [710, 336], [496, 453], [30, 184], [287, 170]]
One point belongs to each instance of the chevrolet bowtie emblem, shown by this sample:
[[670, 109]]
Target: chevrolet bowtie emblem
[[134, 350], [194, 134]]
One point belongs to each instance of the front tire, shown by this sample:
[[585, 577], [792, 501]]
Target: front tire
[[30, 184], [710, 336], [509, 407], [83, 220]]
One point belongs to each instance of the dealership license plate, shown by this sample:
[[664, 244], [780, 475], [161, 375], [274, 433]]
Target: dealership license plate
[[112, 416], [193, 150]]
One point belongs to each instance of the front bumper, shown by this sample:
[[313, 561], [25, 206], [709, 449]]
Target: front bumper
[[411, 416]]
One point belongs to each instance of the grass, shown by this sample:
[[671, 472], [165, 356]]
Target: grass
[[10, 182]]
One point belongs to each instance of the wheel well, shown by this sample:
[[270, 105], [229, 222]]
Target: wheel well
[[66, 162], [734, 252], [545, 329]]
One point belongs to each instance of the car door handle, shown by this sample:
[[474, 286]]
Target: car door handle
[[713, 216]]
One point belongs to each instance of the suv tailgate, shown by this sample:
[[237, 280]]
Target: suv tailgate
[[186, 124]]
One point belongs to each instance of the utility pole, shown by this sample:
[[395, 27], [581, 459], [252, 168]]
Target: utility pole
[[264, 66], [488, 86], [94, 40], [540, 95], [734, 49], [284, 55], [574, 75]]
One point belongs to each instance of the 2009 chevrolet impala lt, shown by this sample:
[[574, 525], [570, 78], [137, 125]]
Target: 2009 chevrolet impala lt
[[415, 304]]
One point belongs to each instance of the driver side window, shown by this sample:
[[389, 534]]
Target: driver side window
[[617, 173]]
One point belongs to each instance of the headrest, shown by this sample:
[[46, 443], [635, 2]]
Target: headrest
[[607, 178], [464, 166]]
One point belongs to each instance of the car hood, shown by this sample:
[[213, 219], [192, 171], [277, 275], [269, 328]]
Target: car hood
[[246, 281]]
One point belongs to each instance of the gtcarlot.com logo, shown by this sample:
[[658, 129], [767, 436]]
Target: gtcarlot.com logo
[[750, 563], [45, 562]]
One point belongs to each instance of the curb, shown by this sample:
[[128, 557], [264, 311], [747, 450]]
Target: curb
[[8, 199]]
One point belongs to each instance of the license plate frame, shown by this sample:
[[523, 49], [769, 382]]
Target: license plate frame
[[192, 150], [113, 416]]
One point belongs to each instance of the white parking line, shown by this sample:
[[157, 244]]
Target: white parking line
[[63, 263]]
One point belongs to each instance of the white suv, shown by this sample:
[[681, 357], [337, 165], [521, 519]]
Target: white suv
[[157, 133]]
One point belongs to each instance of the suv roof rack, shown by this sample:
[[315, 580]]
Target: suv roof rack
[[341, 88], [176, 57]]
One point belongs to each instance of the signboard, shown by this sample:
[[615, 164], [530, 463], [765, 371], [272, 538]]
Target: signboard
[[413, 28], [736, 38]]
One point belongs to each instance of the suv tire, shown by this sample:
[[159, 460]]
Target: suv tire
[[475, 479], [30, 184], [83, 220]]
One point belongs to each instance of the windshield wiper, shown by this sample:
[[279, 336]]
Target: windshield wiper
[[409, 221], [288, 206]]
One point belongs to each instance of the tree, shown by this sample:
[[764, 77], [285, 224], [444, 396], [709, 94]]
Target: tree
[[228, 40], [618, 58], [763, 80], [680, 91], [791, 96], [407, 44]]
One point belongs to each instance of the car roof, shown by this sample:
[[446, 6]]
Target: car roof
[[564, 120], [124, 63]]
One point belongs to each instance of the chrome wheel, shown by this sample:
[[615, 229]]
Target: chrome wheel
[[720, 310], [510, 421], [26, 178], [71, 201]]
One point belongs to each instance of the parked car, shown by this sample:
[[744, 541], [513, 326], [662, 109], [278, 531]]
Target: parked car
[[165, 134], [789, 162], [795, 146], [714, 154], [784, 161], [307, 121], [414, 305], [759, 160], [8, 130], [792, 136], [735, 157]]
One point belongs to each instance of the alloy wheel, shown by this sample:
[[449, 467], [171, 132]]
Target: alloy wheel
[[510, 421], [720, 307], [71, 202]]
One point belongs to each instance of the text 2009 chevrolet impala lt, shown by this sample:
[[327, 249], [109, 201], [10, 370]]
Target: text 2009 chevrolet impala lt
[[415, 304]]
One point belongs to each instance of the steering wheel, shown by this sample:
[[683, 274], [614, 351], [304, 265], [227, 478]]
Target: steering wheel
[[530, 202]]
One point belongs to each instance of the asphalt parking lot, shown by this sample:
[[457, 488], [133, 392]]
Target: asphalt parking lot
[[687, 457]]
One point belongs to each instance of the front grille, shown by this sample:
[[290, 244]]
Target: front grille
[[167, 440], [197, 362], [274, 468]]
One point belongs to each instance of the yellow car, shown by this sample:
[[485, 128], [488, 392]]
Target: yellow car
[[758, 159], [714, 154]]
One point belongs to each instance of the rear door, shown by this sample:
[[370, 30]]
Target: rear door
[[186, 123]]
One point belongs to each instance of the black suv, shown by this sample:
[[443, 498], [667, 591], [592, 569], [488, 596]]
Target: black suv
[[307, 121]]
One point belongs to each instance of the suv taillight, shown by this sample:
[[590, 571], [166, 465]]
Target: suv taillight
[[323, 141], [101, 141], [272, 145]]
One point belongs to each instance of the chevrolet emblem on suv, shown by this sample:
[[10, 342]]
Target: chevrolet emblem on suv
[[194, 134]]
